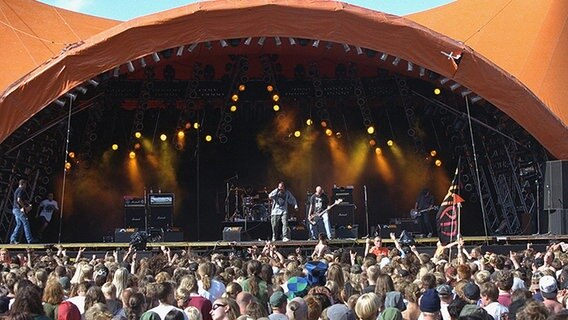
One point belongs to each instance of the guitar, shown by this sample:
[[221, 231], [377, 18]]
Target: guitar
[[417, 213], [313, 217]]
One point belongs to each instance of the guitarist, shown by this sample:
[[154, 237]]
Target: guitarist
[[318, 203], [20, 210], [424, 201]]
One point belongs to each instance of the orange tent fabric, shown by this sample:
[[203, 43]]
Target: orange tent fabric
[[32, 32], [325, 20]]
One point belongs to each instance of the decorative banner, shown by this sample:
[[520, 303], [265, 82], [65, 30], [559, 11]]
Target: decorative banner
[[447, 217]]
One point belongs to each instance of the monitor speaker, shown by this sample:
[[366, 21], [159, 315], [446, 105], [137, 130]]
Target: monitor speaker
[[231, 234], [124, 235]]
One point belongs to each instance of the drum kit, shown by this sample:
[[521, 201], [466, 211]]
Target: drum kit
[[250, 204]]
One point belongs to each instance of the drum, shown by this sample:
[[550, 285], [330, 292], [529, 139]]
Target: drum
[[248, 201], [260, 212]]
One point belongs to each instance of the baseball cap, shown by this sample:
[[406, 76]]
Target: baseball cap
[[548, 287], [430, 301], [277, 299], [471, 291], [339, 312], [444, 290]]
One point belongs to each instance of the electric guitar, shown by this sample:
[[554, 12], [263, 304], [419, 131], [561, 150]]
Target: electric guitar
[[313, 217], [26, 209], [417, 213]]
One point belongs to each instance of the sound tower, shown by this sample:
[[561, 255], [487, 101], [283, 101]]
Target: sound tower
[[161, 206], [555, 191]]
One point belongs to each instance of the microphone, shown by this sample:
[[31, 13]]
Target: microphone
[[236, 175]]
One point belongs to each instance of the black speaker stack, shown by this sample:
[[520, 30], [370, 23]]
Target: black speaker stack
[[556, 196]]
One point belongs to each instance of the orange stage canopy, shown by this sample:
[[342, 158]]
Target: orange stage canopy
[[512, 52]]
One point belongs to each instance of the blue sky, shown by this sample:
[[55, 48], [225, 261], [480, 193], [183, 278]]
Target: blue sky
[[129, 9]]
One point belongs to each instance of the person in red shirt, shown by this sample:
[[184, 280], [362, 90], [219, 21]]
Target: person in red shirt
[[377, 249]]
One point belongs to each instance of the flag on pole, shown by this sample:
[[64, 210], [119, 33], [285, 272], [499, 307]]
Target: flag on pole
[[447, 217]]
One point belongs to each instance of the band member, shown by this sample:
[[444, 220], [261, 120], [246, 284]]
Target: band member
[[20, 210], [425, 201], [319, 224], [281, 198], [46, 209]]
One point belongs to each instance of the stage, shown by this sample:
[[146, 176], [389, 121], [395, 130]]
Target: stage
[[497, 244]]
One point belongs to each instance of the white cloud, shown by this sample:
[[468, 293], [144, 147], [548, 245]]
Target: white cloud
[[73, 5]]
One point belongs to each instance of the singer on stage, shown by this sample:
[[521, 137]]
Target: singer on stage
[[281, 198]]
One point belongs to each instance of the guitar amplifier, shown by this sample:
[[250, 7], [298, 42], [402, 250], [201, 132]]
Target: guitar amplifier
[[342, 214], [161, 210], [410, 225]]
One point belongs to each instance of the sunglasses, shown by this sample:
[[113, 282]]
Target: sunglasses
[[217, 306]]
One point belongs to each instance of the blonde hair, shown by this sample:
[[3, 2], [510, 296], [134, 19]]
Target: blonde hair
[[109, 290], [119, 280], [367, 306], [193, 313]]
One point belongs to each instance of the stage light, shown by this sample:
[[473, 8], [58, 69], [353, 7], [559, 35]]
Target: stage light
[[242, 87], [60, 103], [346, 47], [67, 165], [235, 97], [328, 132], [188, 125], [409, 66], [192, 47], [181, 134], [316, 43], [372, 142], [223, 43], [371, 130], [275, 98], [396, 61], [276, 108], [454, 86], [114, 147], [297, 133], [433, 153], [378, 150], [137, 134], [208, 138], [384, 56], [444, 80], [72, 96], [137, 146], [277, 41], [437, 91], [116, 72], [196, 125], [81, 89], [422, 71], [292, 41], [269, 88], [233, 108], [465, 93], [132, 155], [130, 66], [309, 122], [475, 99], [155, 57], [179, 52], [438, 163], [359, 50], [261, 41], [323, 124], [163, 137], [338, 135], [248, 41], [93, 82], [390, 143], [71, 154]]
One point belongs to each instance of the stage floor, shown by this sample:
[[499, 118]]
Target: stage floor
[[338, 243]]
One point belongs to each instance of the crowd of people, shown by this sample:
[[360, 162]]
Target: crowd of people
[[266, 283]]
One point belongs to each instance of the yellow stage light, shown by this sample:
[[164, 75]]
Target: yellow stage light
[[371, 130], [137, 146], [372, 142], [163, 137], [138, 134], [71, 154], [233, 108], [67, 165], [297, 133], [390, 143], [275, 98], [328, 132], [276, 108], [242, 87], [269, 88], [208, 138], [433, 153], [437, 91], [438, 163], [196, 125], [323, 124], [114, 147], [132, 155], [235, 97], [378, 150], [181, 134], [309, 122]]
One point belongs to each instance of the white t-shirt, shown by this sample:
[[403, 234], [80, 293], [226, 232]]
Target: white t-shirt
[[47, 208], [495, 309], [163, 309], [216, 291]]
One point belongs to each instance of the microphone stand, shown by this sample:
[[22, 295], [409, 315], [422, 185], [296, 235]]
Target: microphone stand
[[366, 210], [537, 208]]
